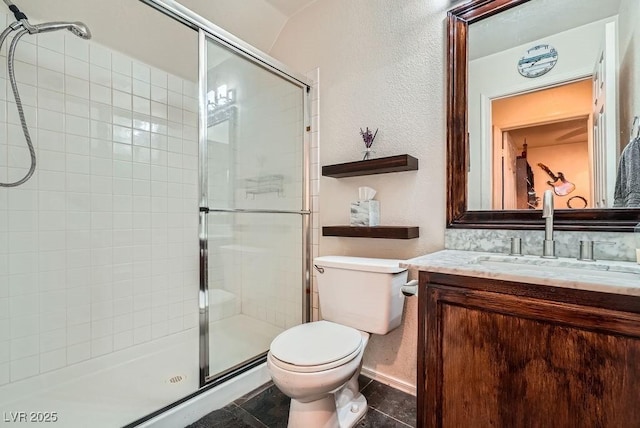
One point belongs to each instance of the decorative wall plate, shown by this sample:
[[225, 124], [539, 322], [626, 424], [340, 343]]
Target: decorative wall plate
[[538, 61]]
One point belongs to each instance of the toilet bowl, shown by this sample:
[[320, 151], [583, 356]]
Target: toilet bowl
[[317, 364]]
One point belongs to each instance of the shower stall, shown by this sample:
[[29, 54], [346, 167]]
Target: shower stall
[[163, 237]]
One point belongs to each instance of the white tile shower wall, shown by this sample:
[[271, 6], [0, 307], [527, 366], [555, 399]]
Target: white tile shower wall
[[314, 78], [271, 258], [257, 257], [270, 245], [268, 159], [98, 251]]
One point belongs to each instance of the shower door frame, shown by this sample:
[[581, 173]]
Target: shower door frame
[[207, 29]]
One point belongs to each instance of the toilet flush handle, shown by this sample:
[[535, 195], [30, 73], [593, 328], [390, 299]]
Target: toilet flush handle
[[410, 288], [320, 269]]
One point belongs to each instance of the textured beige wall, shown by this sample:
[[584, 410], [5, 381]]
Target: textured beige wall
[[382, 66]]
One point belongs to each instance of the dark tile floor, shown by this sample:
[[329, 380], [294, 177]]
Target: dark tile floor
[[268, 407]]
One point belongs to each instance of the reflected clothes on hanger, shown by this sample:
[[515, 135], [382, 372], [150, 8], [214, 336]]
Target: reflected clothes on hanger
[[627, 190]]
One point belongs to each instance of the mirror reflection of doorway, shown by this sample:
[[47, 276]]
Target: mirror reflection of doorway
[[555, 124], [562, 147]]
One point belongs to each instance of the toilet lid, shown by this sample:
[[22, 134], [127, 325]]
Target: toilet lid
[[316, 343]]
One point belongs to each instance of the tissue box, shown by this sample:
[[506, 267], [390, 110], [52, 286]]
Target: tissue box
[[365, 213]]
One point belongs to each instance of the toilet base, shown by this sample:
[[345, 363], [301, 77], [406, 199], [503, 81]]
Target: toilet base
[[350, 403], [341, 409], [315, 414], [351, 413], [324, 414]]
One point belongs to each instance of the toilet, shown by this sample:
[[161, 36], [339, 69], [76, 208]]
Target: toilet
[[317, 364]]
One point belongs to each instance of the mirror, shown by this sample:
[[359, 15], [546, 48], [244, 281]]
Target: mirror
[[542, 95]]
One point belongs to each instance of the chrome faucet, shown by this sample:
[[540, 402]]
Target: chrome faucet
[[549, 245]]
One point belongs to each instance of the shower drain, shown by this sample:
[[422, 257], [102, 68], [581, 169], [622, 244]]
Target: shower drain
[[176, 379]]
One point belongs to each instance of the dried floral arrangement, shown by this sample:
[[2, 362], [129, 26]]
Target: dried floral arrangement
[[368, 138]]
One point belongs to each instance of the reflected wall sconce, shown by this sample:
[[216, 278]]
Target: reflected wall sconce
[[220, 97]]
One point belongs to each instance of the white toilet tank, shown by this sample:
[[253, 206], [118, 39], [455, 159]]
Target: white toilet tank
[[362, 293]]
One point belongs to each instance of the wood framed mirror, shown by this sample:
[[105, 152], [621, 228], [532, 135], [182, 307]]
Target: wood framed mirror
[[459, 144]]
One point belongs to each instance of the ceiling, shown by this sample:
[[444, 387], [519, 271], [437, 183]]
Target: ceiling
[[552, 134], [534, 20], [289, 7], [257, 22], [141, 32]]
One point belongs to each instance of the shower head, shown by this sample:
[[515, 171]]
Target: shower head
[[77, 28]]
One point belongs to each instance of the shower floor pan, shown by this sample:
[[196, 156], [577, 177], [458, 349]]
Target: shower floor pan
[[118, 388]]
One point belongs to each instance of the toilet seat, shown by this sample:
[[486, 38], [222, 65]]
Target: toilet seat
[[316, 346]]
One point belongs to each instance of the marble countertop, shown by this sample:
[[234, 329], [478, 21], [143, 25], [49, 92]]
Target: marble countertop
[[617, 277]]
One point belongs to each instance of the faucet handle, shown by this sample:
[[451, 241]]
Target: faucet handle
[[516, 246], [586, 250]]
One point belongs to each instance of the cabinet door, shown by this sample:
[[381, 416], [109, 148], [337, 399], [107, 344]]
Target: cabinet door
[[497, 360]]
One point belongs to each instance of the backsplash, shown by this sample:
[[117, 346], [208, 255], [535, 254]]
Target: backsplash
[[611, 246]]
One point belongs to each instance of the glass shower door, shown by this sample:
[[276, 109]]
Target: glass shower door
[[254, 209]]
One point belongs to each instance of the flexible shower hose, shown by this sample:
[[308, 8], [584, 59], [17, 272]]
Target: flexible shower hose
[[16, 96]]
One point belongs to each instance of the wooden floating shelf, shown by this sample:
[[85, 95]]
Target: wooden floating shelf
[[387, 232], [371, 166]]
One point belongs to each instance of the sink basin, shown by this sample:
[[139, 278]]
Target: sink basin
[[558, 268]]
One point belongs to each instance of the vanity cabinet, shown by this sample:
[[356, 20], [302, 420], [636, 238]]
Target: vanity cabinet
[[507, 354]]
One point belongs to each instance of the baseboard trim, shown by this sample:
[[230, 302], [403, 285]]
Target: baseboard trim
[[390, 380]]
